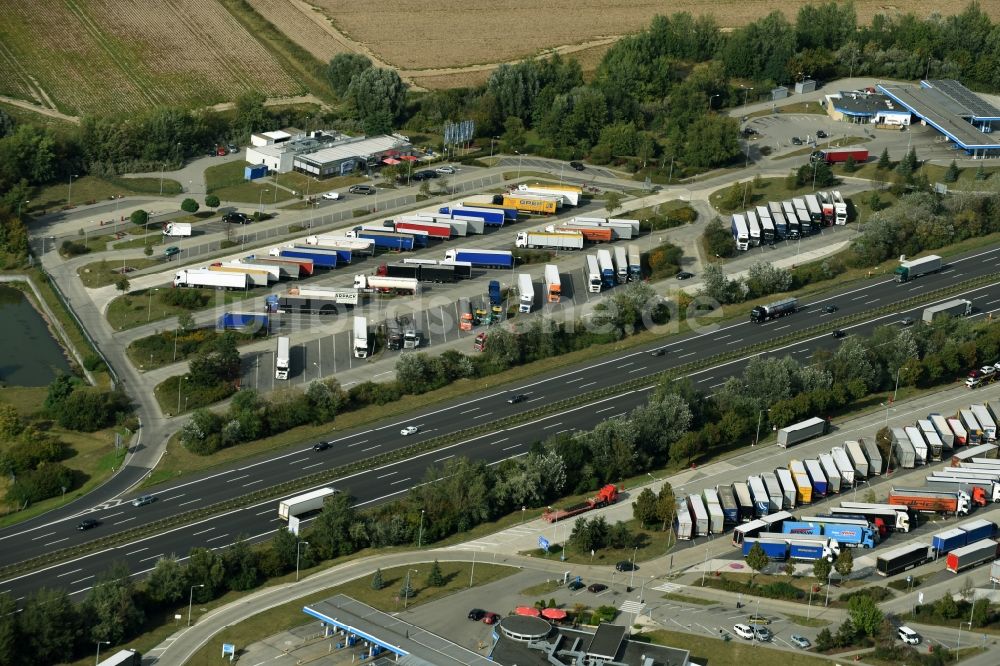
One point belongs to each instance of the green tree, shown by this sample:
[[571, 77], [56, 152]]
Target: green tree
[[757, 559], [435, 578], [644, 508], [242, 564], [952, 173], [733, 198], [946, 606], [139, 217], [284, 547], [884, 163], [377, 582], [612, 201], [10, 422], [406, 589], [212, 201], [167, 581], [331, 531], [822, 569], [50, 626], [851, 165], [378, 96], [148, 250], [205, 568], [9, 639], [845, 562], [865, 614], [122, 284], [666, 505], [111, 609], [189, 205], [343, 68], [718, 239], [513, 136]]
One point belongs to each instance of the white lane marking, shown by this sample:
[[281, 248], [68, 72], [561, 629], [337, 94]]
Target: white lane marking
[[259, 481], [637, 370], [479, 416], [384, 475], [216, 538], [606, 409], [445, 458], [469, 410], [74, 582], [625, 365], [172, 497], [295, 462], [499, 441], [782, 327], [586, 385], [69, 573], [151, 557], [134, 552], [512, 446], [189, 502], [203, 531], [309, 466], [400, 481], [42, 536], [245, 476], [552, 426], [124, 521], [371, 448], [57, 541]]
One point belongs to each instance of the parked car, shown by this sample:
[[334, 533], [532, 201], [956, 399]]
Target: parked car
[[490, 618], [796, 141], [143, 500], [761, 633], [576, 585], [426, 173], [800, 641], [361, 189], [517, 397], [332, 196], [171, 251], [409, 430], [684, 275], [577, 165], [596, 588], [625, 565], [418, 176], [743, 631], [445, 169], [476, 614], [236, 218], [909, 636], [233, 148], [87, 524], [321, 446]]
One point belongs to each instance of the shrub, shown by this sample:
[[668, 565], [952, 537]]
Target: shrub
[[93, 362], [139, 217], [212, 201], [73, 249], [35, 485], [189, 206], [190, 299]]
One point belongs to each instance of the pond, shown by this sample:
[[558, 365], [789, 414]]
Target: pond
[[29, 355]]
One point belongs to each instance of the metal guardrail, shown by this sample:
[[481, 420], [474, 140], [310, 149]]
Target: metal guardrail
[[326, 476]]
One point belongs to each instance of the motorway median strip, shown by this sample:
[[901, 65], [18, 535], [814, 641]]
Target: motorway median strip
[[441, 441]]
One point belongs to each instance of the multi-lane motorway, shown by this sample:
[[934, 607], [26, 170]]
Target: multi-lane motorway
[[77, 576]]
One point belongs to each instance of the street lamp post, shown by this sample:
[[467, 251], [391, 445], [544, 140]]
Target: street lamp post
[[958, 647], [163, 167], [19, 207], [97, 659], [492, 140], [406, 588], [297, 555], [829, 577], [149, 305], [420, 533], [809, 607], [191, 601], [519, 158], [631, 578], [896, 389], [746, 93], [69, 195], [760, 417], [260, 201], [710, 101], [180, 383]]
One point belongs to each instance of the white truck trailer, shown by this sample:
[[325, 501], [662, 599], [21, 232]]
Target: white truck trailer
[[564, 240], [553, 285], [525, 292], [282, 358], [303, 504], [177, 229], [202, 277], [593, 275], [361, 337], [621, 265]]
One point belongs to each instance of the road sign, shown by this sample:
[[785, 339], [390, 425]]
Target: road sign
[[543, 543]]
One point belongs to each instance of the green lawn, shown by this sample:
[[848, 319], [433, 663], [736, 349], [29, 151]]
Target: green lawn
[[176, 398], [795, 107], [91, 189], [226, 182], [104, 272], [157, 350], [737, 651], [652, 543], [137, 308], [771, 189]]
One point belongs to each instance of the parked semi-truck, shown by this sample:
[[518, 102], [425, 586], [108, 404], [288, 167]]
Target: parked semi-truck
[[386, 240], [761, 500], [607, 268], [482, 258], [935, 445], [986, 420], [385, 284], [894, 518], [716, 517], [274, 272], [258, 278], [943, 429], [177, 229], [436, 230], [303, 504], [906, 457], [699, 514], [875, 463], [958, 307], [605, 496], [972, 555], [238, 321], [525, 292], [621, 264], [563, 240], [918, 499], [730, 509], [839, 208], [202, 277], [290, 268], [683, 524], [850, 535], [803, 486], [321, 258], [355, 245], [914, 268], [794, 547], [344, 254], [788, 490], [773, 488], [838, 156], [491, 217], [594, 281], [831, 472], [762, 313], [948, 540], [282, 358], [529, 203], [800, 432], [634, 263], [816, 476], [553, 284], [844, 466], [760, 526], [919, 444], [360, 342], [903, 559], [571, 194], [590, 234], [981, 490], [741, 493]]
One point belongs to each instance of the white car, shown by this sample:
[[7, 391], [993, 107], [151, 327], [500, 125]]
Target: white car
[[908, 636], [445, 169], [333, 196], [743, 631], [409, 430]]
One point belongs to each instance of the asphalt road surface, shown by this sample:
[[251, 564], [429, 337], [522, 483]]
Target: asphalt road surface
[[37, 537]]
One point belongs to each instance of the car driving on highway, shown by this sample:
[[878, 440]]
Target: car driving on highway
[[409, 430], [87, 524]]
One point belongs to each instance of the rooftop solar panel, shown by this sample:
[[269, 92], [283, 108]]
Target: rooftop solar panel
[[975, 105]]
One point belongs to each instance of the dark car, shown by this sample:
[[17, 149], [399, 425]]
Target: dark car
[[171, 251], [796, 141], [660, 351], [906, 321], [87, 524], [321, 446], [596, 588], [820, 134], [361, 189], [830, 309], [839, 333], [420, 175], [576, 585], [236, 218], [625, 565], [490, 618], [477, 614], [684, 275], [749, 131], [517, 397], [577, 165]]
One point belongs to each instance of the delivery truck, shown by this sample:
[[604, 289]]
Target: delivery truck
[[282, 358], [928, 501], [571, 194], [894, 518], [242, 321], [741, 493], [177, 229], [914, 268], [360, 338], [903, 559], [607, 268], [564, 240], [763, 313], [365, 246], [820, 485], [386, 285], [634, 263], [553, 284], [773, 488], [920, 448], [803, 486], [860, 156], [525, 292], [303, 504], [716, 519], [761, 500], [683, 524], [875, 462], [972, 555], [800, 432], [482, 258], [202, 277], [594, 281], [958, 307]]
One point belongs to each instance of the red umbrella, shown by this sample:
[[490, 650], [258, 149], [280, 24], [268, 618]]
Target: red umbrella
[[527, 610], [554, 614]]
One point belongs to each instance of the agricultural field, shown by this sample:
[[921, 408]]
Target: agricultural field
[[442, 34], [83, 56], [304, 25]]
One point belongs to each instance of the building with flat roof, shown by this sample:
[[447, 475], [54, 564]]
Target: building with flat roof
[[866, 106], [344, 156]]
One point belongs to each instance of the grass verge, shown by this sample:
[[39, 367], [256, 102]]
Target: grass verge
[[103, 273], [795, 107], [138, 307], [737, 651], [687, 599], [651, 544], [92, 189], [831, 144], [226, 182]]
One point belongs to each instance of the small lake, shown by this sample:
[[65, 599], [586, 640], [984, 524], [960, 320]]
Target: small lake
[[29, 355]]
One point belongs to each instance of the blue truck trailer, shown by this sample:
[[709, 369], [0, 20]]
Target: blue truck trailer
[[319, 257], [730, 509], [799, 527], [482, 258], [387, 240], [978, 529], [343, 254], [947, 541], [236, 321], [854, 536], [492, 218], [792, 546]]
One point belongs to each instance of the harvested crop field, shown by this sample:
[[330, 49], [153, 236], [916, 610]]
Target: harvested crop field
[[303, 24], [119, 55], [437, 34]]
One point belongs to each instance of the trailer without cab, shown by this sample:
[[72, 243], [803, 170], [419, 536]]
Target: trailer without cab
[[289, 268], [919, 445], [773, 488], [754, 225], [482, 258], [761, 500], [730, 509], [562, 240], [838, 156], [986, 421], [699, 514], [386, 240], [303, 504], [776, 548], [971, 556], [815, 210], [803, 486], [949, 540], [258, 278], [282, 359], [831, 471], [958, 307], [800, 432], [529, 203], [857, 455], [875, 462], [935, 445], [525, 292], [242, 321], [844, 466], [716, 518], [570, 193], [683, 525], [320, 258], [914, 268], [607, 268], [386, 284], [805, 223], [974, 432], [788, 490], [621, 265], [741, 494], [802, 527], [780, 226], [432, 229], [902, 559], [816, 477], [980, 450], [634, 263], [356, 245], [553, 284]]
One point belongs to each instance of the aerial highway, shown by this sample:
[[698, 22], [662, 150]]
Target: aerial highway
[[39, 536]]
